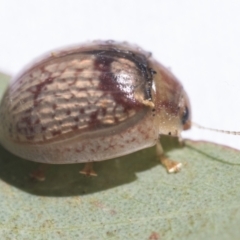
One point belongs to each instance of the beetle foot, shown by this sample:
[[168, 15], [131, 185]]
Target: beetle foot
[[170, 165], [88, 170], [38, 174]]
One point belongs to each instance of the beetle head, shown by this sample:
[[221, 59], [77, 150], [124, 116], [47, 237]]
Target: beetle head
[[172, 105]]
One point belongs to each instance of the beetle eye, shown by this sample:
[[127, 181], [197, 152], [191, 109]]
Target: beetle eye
[[185, 115]]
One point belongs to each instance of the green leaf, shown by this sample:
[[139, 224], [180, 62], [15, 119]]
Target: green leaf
[[4, 79], [133, 197]]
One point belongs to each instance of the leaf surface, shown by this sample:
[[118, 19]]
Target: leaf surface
[[131, 198]]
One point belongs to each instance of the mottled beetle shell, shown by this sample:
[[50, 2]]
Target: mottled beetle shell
[[91, 103]]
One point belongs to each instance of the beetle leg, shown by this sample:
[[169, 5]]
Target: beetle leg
[[181, 141], [39, 173], [170, 165], [88, 170]]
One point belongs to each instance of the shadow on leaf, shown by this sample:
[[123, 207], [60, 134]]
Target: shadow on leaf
[[65, 180]]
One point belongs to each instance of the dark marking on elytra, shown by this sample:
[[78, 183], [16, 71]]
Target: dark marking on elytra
[[37, 121], [113, 84], [104, 59], [43, 128], [36, 103], [82, 110], [77, 71], [28, 111], [37, 89], [56, 132], [116, 120], [76, 119], [68, 112], [54, 106], [104, 111], [25, 126], [94, 122]]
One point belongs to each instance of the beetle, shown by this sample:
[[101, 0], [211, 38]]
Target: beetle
[[93, 102]]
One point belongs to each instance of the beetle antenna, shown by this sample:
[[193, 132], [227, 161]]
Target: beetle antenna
[[216, 130]]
